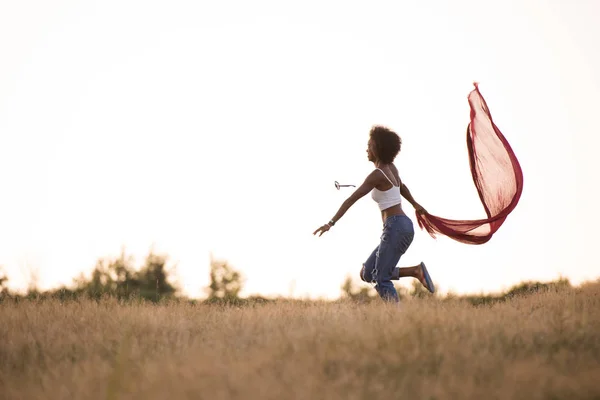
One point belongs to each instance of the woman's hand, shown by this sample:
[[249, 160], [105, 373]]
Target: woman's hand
[[322, 230], [419, 209]]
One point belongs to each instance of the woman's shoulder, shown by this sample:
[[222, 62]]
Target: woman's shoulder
[[396, 173]]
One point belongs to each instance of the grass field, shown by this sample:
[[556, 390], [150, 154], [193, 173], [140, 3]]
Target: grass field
[[542, 346]]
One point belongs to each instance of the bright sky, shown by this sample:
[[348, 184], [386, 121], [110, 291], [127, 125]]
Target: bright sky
[[204, 126]]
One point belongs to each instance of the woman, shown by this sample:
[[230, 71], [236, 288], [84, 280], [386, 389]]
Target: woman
[[398, 233]]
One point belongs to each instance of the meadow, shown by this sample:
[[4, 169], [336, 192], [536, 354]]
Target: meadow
[[544, 345]]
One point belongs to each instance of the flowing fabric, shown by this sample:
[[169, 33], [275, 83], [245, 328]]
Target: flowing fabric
[[497, 176]]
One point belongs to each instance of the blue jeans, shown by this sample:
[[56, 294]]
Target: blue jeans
[[380, 268]]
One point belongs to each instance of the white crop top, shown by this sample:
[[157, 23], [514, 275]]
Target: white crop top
[[388, 198]]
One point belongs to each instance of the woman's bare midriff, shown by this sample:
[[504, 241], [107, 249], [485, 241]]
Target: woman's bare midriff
[[390, 212]]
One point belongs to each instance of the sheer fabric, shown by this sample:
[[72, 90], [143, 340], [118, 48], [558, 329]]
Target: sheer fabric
[[497, 176]]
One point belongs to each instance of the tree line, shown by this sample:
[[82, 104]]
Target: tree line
[[119, 278]]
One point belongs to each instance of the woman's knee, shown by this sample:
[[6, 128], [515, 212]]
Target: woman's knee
[[365, 275]]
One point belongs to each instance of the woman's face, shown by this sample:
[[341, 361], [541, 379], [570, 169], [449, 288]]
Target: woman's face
[[371, 153]]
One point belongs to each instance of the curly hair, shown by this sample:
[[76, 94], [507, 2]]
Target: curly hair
[[387, 143]]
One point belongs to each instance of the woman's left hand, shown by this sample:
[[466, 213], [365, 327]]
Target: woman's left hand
[[419, 209], [322, 230]]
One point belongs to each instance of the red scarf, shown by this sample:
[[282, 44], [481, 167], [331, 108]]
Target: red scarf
[[497, 176]]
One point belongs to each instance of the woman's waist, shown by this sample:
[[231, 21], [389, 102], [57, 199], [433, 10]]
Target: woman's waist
[[398, 221], [393, 211]]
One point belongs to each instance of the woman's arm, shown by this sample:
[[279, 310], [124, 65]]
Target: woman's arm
[[408, 196], [368, 185], [406, 193]]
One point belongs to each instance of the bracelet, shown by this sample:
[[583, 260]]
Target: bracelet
[[331, 223]]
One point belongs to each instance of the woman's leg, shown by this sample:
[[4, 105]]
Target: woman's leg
[[394, 243], [413, 272], [366, 272], [386, 259], [371, 270], [397, 237]]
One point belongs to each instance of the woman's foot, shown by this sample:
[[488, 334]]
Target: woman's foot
[[419, 272], [422, 275]]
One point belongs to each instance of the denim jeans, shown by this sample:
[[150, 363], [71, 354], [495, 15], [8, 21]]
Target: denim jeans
[[380, 268]]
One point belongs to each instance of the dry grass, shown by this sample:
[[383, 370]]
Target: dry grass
[[543, 346]]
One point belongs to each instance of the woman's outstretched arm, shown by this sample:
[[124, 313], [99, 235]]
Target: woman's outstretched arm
[[368, 185]]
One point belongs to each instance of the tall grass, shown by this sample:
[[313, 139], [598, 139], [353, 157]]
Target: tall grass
[[540, 346]]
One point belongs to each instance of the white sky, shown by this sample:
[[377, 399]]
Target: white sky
[[198, 127]]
